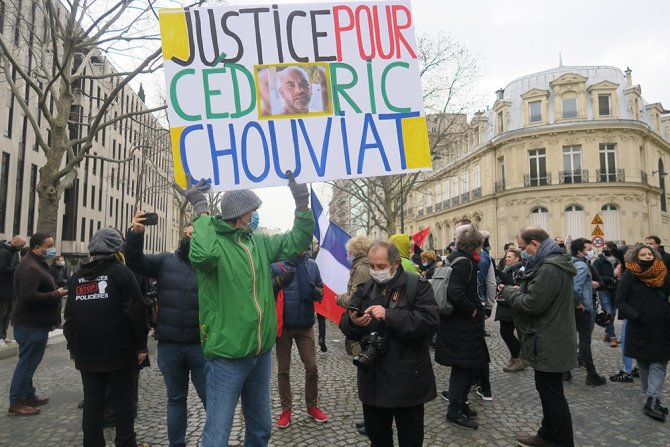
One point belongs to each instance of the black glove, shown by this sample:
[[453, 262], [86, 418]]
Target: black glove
[[195, 195], [283, 279], [299, 191], [317, 294]]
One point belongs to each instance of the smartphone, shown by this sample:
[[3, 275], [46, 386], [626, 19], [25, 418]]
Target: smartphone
[[150, 219], [358, 310]]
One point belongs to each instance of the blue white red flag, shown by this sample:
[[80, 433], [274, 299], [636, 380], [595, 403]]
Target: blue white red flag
[[332, 261]]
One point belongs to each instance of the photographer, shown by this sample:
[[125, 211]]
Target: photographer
[[177, 327], [393, 315]]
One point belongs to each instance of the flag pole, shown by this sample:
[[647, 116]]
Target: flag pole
[[312, 240]]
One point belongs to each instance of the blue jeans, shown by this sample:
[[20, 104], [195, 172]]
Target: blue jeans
[[175, 361], [227, 380], [607, 303], [627, 361], [32, 344], [652, 377]]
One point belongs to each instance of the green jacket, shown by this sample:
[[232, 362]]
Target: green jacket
[[237, 306], [544, 315], [408, 265]]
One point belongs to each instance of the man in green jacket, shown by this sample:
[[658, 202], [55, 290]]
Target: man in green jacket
[[544, 320], [238, 325]]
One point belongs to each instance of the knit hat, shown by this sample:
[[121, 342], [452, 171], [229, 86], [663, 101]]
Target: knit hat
[[105, 242], [238, 203]]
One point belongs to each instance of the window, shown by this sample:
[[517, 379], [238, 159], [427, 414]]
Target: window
[[429, 201], [661, 184], [445, 194], [539, 217], [476, 182], [605, 105], [82, 230], [31, 198], [501, 128], [535, 111], [574, 221], [570, 107], [610, 215], [9, 101], [17, 22], [465, 182], [608, 164], [537, 160], [92, 197], [90, 229], [454, 186], [572, 164], [4, 186], [2, 16]]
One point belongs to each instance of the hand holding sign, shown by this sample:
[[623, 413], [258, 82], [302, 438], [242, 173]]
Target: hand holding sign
[[299, 191], [194, 195]]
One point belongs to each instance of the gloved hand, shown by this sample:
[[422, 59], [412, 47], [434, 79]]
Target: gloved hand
[[317, 294], [194, 194], [283, 279], [299, 191]]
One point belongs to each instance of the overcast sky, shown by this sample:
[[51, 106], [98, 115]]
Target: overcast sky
[[521, 37]]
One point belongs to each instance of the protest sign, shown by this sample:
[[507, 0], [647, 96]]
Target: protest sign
[[329, 91]]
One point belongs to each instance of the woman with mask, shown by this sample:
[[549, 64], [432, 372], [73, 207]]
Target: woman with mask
[[642, 299], [460, 336], [428, 263], [510, 276]]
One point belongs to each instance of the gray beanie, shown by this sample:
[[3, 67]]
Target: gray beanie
[[238, 203], [105, 242]]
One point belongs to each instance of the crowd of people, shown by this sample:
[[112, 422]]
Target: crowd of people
[[228, 295]]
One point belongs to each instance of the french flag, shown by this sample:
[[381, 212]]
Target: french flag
[[332, 261]]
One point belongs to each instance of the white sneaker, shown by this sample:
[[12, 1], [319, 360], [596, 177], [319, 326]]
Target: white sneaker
[[9, 340], [3, 342]]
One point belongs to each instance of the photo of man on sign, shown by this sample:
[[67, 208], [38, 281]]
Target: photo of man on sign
[[289, 90]]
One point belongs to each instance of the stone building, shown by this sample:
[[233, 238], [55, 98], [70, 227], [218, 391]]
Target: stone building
[[105, 193], [556, 149]]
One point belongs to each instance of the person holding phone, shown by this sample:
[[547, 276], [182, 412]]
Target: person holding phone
[[106, 331], [177, 326]]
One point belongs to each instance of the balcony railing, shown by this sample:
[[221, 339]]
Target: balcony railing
[[465, 197], [610, 175], [420, 213], [644, 178], [438, 207], [578, 176], [455, 201], [604, 111], [570, 114], [500, 185], [429, 209], [535, 118], [446, 204], [540, 180], [476, 193]]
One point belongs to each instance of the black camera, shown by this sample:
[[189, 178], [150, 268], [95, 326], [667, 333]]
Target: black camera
[[374, 345]]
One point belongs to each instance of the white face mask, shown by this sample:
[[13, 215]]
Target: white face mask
[[590, 254], [381, 276]]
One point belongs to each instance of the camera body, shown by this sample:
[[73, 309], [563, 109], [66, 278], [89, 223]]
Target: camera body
[[374, 345]]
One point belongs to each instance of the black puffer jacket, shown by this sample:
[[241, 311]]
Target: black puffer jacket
[[605, 270], [403, 376], [460, 338], [648, 313], [9, 259], [105, 319], [178, 316]]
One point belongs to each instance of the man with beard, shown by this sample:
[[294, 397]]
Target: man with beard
[[177, 326], [296, 90]]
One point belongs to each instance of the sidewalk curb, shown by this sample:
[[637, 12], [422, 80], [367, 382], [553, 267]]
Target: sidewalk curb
[[12, 350]]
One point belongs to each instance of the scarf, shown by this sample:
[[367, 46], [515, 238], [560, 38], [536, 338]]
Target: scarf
[[547, 247], [654, 276]]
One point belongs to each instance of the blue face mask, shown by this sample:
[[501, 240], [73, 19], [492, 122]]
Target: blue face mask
[[51, 253], [351, 259], [255, 219]]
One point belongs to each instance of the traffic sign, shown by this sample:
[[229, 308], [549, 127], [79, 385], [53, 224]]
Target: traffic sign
[[597, 220], [598, 242], [597, 231]]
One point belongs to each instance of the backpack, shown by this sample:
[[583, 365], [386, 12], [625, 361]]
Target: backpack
[[440, 284]]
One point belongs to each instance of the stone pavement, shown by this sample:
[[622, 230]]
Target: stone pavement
[[604, 416]]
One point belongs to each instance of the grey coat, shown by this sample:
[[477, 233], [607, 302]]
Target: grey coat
[[544, 315]]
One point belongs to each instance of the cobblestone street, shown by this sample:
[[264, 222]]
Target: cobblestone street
[[604, 416]]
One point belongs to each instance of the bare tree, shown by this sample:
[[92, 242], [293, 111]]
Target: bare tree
[[448, 73], [58, 49]]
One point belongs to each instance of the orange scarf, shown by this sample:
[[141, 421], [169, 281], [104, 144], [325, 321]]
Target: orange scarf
[[654, 276]]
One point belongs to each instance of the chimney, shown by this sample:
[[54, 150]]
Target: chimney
[[629, 77], [499, 93]]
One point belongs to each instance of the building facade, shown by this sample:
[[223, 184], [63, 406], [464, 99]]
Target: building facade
[[130, 165], [556, 149]]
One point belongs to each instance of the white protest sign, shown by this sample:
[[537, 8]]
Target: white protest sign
[[329, 91]]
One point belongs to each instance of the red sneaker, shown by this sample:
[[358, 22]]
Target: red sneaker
[[316, 414], [284, 419]]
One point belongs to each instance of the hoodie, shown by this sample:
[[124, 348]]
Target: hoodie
[[402, 243]]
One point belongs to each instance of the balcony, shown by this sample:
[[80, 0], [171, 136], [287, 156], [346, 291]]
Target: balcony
[[420, 214], [610, 175], [438, 207], [429, 209], [476, 193], [644, 178], [446, 204], [500, 186], [465, 197], [455, 201], [569, 177], [538, 180]]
